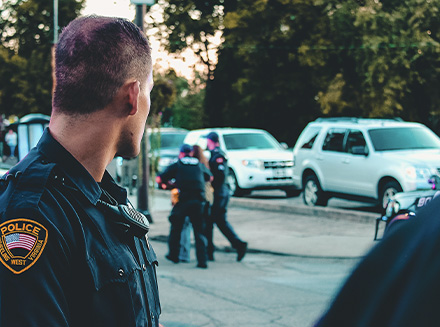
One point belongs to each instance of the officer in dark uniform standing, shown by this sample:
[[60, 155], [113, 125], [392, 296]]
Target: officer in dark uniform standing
[[219, 168], [73, 251], [190, 176]]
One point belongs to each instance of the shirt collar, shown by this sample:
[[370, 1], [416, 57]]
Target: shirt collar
[[72, 168]]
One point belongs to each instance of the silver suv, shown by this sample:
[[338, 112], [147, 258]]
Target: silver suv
[[363, 159]]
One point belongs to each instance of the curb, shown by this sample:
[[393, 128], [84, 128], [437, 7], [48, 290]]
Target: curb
[[324, 212], [262, 205]]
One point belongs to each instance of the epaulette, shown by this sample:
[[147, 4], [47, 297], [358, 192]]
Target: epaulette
[[220, 152], [26, 181]]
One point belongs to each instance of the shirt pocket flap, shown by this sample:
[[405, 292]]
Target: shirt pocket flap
[[112, 266]]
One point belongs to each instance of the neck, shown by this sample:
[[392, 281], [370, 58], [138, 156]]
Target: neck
[[90, 139]]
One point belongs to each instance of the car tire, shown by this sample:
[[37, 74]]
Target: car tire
[[388, 190], [313, 195], [235, 190]]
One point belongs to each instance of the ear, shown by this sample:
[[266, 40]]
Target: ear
[[133, 96]]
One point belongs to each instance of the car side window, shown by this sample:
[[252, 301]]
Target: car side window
[[308, 139], [356, 142], [334, 140]]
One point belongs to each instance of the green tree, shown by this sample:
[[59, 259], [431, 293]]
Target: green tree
[[177, 102], [387, 59], [192, 24], [260, 80], [25, 52], [308, 58]]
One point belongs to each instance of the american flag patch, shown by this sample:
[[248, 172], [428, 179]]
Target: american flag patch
[[19, 240], [22, 241]]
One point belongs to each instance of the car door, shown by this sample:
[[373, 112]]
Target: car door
[[360, 173], [330, 160]]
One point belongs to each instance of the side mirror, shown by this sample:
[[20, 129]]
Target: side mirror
[[359, 150]]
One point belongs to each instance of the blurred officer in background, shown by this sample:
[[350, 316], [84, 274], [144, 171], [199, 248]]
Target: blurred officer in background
[[219, 168], [185, 242], [73, 252], [190, 176]]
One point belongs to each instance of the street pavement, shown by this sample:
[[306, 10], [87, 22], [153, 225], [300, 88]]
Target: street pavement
[[281, 228], [298, 258]]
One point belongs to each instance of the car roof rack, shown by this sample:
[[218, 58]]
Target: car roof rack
[[355, 119]]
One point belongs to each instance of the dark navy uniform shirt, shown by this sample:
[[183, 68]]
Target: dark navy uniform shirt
[[190, 176], [64, 260], [219, 168]]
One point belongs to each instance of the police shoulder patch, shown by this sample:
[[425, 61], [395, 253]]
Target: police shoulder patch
[[21, 243]]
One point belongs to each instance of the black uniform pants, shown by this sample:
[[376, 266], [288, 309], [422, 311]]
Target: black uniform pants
[[218, 217], [194, 210]]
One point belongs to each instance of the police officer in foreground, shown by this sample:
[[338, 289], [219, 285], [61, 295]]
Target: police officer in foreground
[[190, 176], [73, 252], [219, 168]]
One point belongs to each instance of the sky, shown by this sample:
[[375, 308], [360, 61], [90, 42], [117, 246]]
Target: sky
[[183, 64]]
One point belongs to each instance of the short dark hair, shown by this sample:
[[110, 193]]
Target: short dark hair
[[94, 57]]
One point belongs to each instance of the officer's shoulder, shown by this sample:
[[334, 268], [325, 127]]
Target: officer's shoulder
[[219, 158], [220, 153], [24, 183], [190, 161]]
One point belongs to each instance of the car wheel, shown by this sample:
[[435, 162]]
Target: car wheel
[[232, 182], [233, 185], [313, 195], [388, 191]]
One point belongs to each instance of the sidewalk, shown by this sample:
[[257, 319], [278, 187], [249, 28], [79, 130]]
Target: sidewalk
[[281, 229]]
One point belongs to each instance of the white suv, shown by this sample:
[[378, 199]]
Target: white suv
[[256, 160], [363, 159]]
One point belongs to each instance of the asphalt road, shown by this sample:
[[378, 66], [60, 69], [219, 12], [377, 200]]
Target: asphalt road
[[298, 259], [263, 290]]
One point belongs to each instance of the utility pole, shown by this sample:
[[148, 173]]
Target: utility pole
[[55, 41], [144, 166], [55, 21]]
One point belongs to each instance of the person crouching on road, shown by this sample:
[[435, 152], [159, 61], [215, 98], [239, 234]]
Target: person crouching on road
[[219, 168], [190, 176]]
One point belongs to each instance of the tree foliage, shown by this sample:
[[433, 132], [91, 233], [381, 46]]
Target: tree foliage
[[26, 52], [283, 63], [176, 102], [191, 24]]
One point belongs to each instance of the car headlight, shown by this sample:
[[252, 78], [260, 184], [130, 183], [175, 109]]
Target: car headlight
[[418, 172], [253, 163]]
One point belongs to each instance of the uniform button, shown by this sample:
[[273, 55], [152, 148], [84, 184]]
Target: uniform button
[[144, 267], [121, 272]]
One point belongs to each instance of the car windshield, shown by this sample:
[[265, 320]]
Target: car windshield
[[168, 140], [404, 138], [246, 141]]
